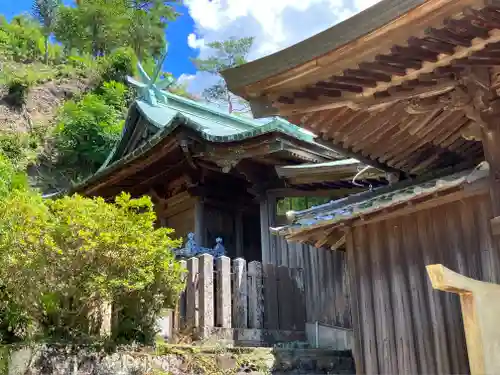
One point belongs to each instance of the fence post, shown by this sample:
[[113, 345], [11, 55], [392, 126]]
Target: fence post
[[255, 295], [223, 314], [240, 306], [192, 291], [178, 314], [206, 290]]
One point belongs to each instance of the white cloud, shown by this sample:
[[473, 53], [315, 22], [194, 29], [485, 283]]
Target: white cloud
[[275, 24], [194, 42], [185, 79]]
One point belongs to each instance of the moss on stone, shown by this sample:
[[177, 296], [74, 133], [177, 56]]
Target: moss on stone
[[220, 360], [4, 359]]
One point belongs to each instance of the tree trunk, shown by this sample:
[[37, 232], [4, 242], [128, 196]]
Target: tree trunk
[[46, 49]]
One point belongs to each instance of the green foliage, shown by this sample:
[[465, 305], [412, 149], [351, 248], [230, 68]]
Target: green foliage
[[100, 26], [118, 65], [70, 31], [114, 94], [19, 149], [226, 54], [20, 39], [11, 179], [17, 90], [87, 131], [76, 252], [299, 203], [45, 11]]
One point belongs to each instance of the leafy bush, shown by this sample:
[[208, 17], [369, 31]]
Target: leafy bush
[[11, 179], [21, 39], [17, 90], [114, 94], [75, 252], [20, 149], [87, 131], [118, 65]]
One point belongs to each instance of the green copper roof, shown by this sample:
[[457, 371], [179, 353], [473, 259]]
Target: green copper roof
[[212, 124]]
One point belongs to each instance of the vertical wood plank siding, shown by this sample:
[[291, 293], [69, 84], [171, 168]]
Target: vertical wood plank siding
[[402, 325], [325, 277]]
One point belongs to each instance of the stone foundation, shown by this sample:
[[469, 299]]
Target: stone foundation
[[172, 360]]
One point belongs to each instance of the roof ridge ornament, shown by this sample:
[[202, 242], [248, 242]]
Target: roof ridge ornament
[[150, 89]]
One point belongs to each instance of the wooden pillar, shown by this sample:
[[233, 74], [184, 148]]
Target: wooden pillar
[[491, 146], [357, 350], [267, 220], [199, 225], [484, 111], [264, 231], [240, 251]]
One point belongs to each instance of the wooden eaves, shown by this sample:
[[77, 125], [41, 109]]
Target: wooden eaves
[[393, 85]]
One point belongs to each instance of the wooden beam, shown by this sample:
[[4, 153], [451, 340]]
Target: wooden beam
[[381, 38], [131, 167], [347, 152], [374, 100], [354, 100]]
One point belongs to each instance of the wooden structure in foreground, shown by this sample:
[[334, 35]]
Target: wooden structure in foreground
[[480, 310], [410, 87], [236, 302]]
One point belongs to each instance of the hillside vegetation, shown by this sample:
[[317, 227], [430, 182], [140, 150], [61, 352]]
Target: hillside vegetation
[[63, 91]]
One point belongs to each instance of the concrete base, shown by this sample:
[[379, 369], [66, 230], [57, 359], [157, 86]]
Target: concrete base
[[251, 337], [335, 338]]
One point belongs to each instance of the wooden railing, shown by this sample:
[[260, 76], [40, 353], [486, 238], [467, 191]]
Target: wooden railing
[[230, 294]]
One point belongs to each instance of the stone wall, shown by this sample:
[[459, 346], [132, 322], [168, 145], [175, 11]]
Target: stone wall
[[172, 360]]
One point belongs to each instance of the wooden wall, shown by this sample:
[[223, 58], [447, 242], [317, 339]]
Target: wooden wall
[[402, 325], [326, 281], [180, 215]]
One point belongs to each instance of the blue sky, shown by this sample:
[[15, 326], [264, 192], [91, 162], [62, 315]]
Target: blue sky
[[275, 24]]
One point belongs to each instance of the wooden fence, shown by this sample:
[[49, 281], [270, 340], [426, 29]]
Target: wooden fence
[[232, 294]]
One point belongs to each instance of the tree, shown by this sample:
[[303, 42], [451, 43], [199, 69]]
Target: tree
[[100, 26], [70, 31], [227, 54], [45, 11], [147, 20], [87, 131], [60, 258]]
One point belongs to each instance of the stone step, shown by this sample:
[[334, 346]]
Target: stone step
[[313, 361]]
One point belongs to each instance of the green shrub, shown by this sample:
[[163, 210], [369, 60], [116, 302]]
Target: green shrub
[[114, 94], [20, 149], [118, 65], [85, 135], [60, 259], [21, 39], [11, 179], [17, 90]]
